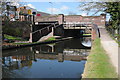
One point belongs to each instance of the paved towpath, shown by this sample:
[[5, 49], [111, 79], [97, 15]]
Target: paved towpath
[[110, 46]]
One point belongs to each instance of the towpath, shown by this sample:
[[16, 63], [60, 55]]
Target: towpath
[[110, 46]]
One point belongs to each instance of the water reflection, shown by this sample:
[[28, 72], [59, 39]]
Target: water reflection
[[46, 59], [86, 41]]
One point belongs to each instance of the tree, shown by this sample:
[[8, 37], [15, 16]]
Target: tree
[[93, 7], [5, 7], [112, 8]]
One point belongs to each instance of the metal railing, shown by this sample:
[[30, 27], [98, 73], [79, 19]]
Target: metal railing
[[77, 24], [43, 28]]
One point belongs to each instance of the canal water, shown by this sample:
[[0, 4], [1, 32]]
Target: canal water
[[64, 59]]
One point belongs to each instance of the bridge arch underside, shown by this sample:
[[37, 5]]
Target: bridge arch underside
[[73, 32]]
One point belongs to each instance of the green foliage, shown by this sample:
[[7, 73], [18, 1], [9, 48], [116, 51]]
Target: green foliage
[[18, 31], [113, 8], [50, 39], [11, 37], [12, 31], [16, 28]]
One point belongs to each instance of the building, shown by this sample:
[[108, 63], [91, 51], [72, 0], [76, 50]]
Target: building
[[22, 14], [25, 13]]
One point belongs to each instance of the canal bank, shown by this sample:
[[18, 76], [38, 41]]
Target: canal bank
[[98, 63], [20, 45]]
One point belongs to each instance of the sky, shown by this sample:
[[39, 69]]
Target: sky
[[65, 8], [58, 7]]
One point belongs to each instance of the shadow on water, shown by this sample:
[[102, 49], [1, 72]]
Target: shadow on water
[[63, 59]]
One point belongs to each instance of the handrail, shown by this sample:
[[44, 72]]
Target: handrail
[[76, 24], [58, 25], [43, 22]]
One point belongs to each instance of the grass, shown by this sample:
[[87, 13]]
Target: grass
[[98, 63], [50, 39], [11, 37], [26, 43], [21, 43]]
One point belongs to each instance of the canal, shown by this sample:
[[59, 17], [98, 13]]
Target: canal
[[64, 59]]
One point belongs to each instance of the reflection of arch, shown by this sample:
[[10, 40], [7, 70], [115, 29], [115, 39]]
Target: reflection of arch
[[86, 44], [86, 41], [73, 44]]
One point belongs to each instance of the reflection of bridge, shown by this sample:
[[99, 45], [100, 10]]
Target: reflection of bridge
[[61, 57], [19, 58], [60, 53], [68, 54]]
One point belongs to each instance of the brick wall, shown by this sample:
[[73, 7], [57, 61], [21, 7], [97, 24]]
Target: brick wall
[[46, 18], [99, 20], [73, 18]]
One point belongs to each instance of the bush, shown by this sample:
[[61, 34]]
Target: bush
[[16, 28], [12, 31]]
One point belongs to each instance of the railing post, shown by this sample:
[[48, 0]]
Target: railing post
[[33, 23], [31, 37]]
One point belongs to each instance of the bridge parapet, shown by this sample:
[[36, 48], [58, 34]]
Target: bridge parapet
[[99, 20]]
